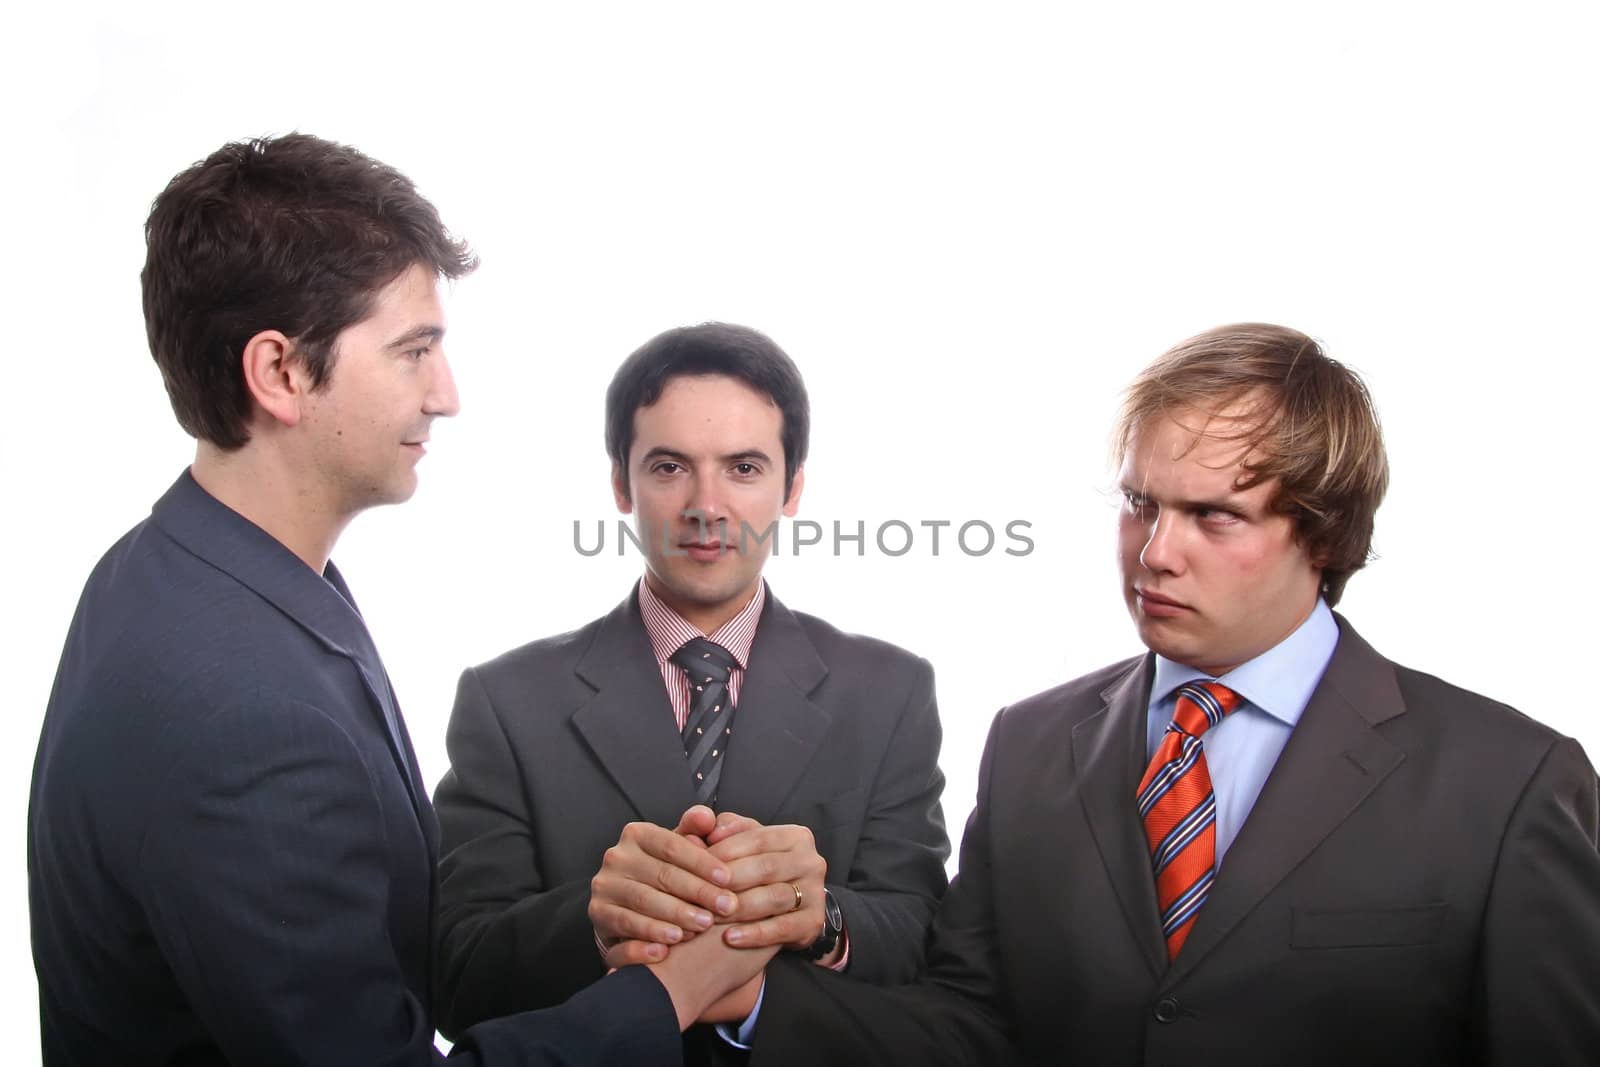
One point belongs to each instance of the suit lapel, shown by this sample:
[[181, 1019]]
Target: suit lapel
[[1331, 764], [628, 724], [1108, 754], [777, 727], [322, 606]]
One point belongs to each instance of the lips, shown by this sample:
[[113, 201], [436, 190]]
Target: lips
[[1152, 603]]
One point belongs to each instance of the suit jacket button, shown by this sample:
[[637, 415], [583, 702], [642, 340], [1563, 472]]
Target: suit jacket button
[[1166, 1010]]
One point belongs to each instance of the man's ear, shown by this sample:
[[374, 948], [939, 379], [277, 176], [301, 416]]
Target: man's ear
[[275, 376], [792, 505], [619, 489]]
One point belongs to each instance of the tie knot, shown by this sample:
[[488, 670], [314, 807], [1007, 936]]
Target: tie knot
[[705, 661], [1201, 705]]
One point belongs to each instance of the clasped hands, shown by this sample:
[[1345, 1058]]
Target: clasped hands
[[751, 889]]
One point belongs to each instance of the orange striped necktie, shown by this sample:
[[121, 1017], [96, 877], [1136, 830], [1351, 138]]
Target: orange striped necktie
[[1179, 810]]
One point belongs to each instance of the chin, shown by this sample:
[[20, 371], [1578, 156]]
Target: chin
[[392, 494], [707, 590]]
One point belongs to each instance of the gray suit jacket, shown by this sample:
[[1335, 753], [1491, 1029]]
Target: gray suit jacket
[[1418, 883], [555, 746]]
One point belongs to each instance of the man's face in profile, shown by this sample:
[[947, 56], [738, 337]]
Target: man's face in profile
[[707, 461], [1211, 575], [368, 425]]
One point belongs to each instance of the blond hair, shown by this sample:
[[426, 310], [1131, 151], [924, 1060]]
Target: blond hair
[[1306, 422]]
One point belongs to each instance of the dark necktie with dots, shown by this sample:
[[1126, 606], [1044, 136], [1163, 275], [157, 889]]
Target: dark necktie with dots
[[710, 724]]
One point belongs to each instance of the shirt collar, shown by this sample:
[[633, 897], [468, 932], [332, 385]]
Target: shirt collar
[[1280, 681], [669, 631]]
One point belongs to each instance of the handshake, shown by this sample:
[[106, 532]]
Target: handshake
[[706, 905]]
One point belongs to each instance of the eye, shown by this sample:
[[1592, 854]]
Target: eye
[[416, 355], [746, 470], [1216, 516], [1137, 503], [666, 466]]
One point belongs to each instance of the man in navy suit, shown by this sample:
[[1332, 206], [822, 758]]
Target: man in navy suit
[[230, 853]]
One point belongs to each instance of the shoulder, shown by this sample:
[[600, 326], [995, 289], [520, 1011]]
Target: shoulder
[[851, 653], [1460, 717], [557, 654], [169, 638], [1069, 702]]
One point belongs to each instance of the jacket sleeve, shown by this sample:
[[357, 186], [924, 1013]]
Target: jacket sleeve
[[896, 876], [1541, 929]]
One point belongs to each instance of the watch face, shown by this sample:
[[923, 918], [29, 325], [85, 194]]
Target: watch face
[[832, 927]]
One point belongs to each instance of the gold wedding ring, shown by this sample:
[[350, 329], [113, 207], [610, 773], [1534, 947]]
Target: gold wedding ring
[[799, 897]]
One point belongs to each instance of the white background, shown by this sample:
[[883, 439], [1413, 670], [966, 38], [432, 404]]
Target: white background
[[970, 225]]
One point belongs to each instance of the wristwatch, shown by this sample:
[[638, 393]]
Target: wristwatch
[[832, 927]]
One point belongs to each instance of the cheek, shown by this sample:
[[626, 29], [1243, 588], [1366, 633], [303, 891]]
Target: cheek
[[1131, 538], [1268, 571]]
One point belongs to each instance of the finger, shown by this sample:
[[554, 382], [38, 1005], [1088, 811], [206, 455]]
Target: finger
[[680, 852], [764, 839], [698, 821], [795, 928], [629, 953], [776, 868], [729, 824], [614, 923], [623, 907], [763, 902]]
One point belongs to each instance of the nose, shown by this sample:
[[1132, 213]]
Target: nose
[[1162, 551], [705, 501], [442, 398]]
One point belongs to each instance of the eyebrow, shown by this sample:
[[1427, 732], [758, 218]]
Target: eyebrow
[[1225, 503], [749, 455], [429, 332], [660, 452]]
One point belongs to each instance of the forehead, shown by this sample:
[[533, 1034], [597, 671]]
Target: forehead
[[708, 411], [410, 300], [1190, 450]]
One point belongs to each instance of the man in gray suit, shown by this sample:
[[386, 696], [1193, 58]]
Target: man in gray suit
[[1261, 842], [573, 759]]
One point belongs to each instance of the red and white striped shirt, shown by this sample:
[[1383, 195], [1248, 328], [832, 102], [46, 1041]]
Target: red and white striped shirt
[[669, 631]]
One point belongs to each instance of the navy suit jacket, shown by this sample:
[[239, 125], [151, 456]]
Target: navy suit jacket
[[230, 854]]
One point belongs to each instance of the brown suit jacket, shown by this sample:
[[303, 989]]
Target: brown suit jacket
[[1418, 883]]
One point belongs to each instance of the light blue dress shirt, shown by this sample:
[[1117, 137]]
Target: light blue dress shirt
[[1242, 749]]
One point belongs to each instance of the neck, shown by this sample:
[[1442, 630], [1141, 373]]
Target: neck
[[707, 618], [260, 484]]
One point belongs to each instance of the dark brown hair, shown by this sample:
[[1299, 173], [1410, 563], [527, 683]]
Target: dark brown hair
[[295, 234], [709, 348], [1306, 421]]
